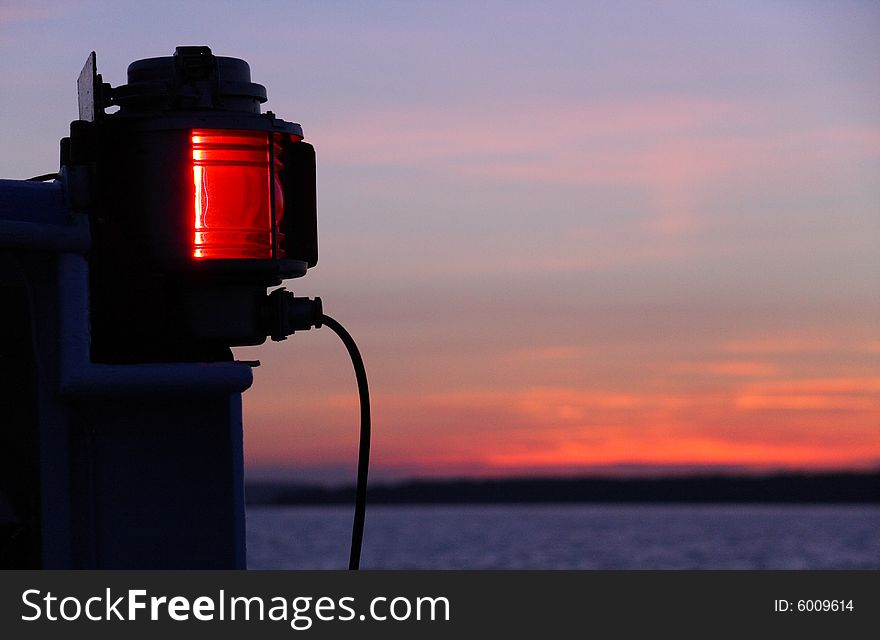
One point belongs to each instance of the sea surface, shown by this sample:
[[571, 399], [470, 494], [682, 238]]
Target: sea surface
[[581, 536]]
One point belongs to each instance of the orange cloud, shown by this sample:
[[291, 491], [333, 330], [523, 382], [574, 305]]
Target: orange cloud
[[727, 411], [570, 428], [679, 452]]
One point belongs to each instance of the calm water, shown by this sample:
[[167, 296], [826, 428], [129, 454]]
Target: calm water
[[570, 537]]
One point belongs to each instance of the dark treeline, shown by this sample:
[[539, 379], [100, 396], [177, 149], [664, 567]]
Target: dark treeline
[[798, 488]]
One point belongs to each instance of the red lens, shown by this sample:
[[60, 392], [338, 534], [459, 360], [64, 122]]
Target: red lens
[[232, 204], [277, 150]]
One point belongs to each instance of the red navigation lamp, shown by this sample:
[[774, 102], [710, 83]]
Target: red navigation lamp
[[238, 198], [200, 202], [232, 194]]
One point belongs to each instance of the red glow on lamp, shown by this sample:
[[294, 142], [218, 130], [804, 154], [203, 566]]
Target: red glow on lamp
[[232, 204]]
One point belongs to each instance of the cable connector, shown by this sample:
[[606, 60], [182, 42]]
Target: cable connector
[[286, 314]]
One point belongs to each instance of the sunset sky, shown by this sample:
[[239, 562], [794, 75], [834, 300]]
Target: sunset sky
[[568, 237]]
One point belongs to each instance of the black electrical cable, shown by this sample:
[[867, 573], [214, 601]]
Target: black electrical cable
[[360, 505]]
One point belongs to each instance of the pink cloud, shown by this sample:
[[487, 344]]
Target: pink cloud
[[476, 140], [732, 368], [32, 11], [872, 346], [844, 394], [670, 151], [780, 344]]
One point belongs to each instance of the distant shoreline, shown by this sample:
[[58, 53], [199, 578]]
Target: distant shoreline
[[827, 488]]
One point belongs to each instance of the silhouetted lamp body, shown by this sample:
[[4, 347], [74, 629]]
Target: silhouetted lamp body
[[198, 203]]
